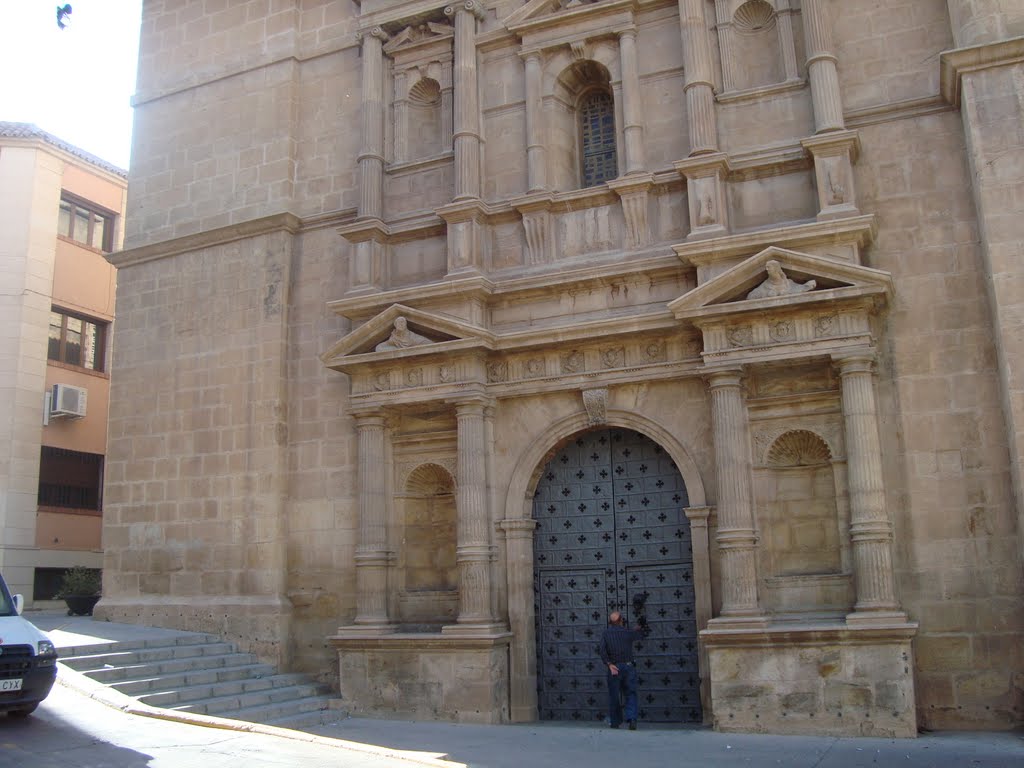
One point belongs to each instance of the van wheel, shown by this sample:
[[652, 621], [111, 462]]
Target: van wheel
[[24, 711]]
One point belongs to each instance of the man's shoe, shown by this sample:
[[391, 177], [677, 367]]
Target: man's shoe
[[632, 725]]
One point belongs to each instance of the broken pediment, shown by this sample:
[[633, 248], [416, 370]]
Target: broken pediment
[[778, 277], [399, 330], [542, 9], [419, 34]]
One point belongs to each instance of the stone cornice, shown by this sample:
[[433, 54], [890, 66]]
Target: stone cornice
[[953, 65], [858, 229], [278, 222], [806, 634]]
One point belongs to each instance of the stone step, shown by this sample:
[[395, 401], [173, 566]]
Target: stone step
[[75, 651], [311, 708], [167, 682], [126, 658], [227, 706], [162, 696], [304, 719], [157, 668]]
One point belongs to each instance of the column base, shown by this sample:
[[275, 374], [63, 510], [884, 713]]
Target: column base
[[739, 622], [474, 630], [381, 628], [875, 618]]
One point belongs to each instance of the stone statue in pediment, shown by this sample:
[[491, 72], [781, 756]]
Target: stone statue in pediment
[[401, 337], [778, 284]]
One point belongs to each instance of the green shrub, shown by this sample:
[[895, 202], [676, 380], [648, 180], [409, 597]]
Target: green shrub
[[80, 581]]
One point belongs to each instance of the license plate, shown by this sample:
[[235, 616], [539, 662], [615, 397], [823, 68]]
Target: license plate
[[10, 685]]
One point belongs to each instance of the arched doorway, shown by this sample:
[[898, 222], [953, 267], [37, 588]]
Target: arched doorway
[[611, 534]]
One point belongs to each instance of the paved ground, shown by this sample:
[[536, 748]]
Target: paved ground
[[536, 745]]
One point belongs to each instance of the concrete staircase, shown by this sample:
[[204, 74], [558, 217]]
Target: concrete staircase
[[201, 673]]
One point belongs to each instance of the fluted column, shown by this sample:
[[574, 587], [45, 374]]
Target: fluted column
[[519, 575], [372, 555], [401, 116], [726, 39], [784, 24], [632, 106], [699, 86], [467, 113], [737, 536], [536, 152], [821, 67], [473, 551], [371, 158], [870, 527]]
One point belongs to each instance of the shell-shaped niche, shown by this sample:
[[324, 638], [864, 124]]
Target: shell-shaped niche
[[754, 16], [798, 448], [429, 480], [425, 92]]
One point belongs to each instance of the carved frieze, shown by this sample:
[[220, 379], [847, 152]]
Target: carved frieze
[[414, 377], [573, 362], [613, 357], [534, 367], [497, 371], [655, 351], [740, 336]]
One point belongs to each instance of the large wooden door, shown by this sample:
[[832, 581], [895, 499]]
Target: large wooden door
[[611, 534]]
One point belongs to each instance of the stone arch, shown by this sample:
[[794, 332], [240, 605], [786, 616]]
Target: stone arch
[[581, 87], [531, 463]]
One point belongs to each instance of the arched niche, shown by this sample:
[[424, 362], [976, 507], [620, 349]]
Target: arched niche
[[802, 531], [428, 572]]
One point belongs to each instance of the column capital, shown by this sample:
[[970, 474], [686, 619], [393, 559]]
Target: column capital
[[626, 31], [373, 32], [725, 377], [518, 528], [369, 417], [699, 515], [531, 54], [472, 6], [855, 361], [472, 403]]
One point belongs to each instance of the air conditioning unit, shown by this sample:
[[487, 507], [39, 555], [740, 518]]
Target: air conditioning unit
[[67, 401]]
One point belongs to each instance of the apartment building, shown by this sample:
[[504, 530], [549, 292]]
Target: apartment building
[[60, 212]]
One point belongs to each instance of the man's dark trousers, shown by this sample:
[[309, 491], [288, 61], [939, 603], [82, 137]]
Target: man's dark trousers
[[622, 685]]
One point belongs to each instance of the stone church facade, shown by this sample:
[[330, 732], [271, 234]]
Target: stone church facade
[[446, 329]]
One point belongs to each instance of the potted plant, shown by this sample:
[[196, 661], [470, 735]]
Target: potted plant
[[80, 590]]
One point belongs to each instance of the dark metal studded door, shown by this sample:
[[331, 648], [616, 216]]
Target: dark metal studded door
[[611, 531]]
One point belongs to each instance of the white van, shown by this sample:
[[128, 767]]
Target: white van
[[28, 660]]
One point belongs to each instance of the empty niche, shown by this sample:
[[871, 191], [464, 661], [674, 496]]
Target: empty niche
[[430, 596]]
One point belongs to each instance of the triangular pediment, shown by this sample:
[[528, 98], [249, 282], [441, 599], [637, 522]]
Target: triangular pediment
[[832, 280], [430, 333], [419, 34], [542, 9]]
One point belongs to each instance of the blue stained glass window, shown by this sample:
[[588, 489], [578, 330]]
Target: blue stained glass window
[[597, 138]]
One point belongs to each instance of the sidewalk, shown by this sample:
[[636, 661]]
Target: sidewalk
[[555, 745]]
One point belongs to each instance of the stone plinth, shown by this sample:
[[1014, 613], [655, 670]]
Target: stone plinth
[[814, 679], [425, 676]]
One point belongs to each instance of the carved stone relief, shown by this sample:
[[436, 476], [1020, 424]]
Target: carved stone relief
[[596, 403], [446, 374], [613, 357], [497, 371], [778, 284], [382, 381], [534, 367], [824, 326], [414, 377], [827, 428], [573, 362], [740, 336], [654, 351], [782, 330]]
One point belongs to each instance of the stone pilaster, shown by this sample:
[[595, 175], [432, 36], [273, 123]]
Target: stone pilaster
[[372, 555], [705, 194], [466, 133], [473, 550], [834, 154], [371, 158], [784, 22], [632, 106], [519, 573], [726, 44], [700, 85], [401, 108], [870, 527], [536, 151], [700, 518], [821, 67], [737, 536]]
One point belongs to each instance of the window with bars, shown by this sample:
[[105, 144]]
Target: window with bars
[[77, 341], [86, 224], [70, 479], [597, 138]]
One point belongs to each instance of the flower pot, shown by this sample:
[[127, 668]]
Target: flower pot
[[81, 605]]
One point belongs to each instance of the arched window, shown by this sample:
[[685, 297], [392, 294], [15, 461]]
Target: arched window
[[598, 162]]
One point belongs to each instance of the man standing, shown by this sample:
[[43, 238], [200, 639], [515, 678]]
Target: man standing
[[616, 651]]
